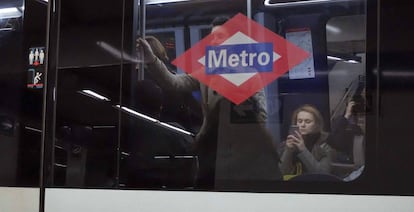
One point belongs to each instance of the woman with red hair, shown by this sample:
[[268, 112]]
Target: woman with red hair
[[306, 150]]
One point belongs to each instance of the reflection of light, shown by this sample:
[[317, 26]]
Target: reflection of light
[[334, 58], [8, 10], [163, 1], [11, 12], [6, 29], [116, 52], [154, 121], [32, 129], [352, 61], [94, 95], [137, 114], [162, 157], [300, 3], [333, 29], [174, 128]]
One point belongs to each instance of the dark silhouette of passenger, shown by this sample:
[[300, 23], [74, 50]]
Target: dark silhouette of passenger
[[152, 162], [180, 107], [347, 126]]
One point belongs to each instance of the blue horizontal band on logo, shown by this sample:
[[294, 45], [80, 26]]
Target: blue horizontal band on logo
[[239, 58]]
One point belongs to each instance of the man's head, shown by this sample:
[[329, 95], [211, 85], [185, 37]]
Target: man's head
[[219, 20], [220, 33]]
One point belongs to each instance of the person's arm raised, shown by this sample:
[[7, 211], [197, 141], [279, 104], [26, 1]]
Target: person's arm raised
[[159, 71]]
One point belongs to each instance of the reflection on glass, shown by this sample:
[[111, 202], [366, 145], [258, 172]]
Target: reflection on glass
[[174, 130], [95, 95], [171, 45], [21, 104], [346, 56]]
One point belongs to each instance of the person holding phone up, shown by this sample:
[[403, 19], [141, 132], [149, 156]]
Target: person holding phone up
[[345, 127], [306, 150]]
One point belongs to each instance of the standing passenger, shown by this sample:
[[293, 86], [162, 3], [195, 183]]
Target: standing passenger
[[245, 159], [346, 127]]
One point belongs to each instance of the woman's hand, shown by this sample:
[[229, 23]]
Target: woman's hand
[[289, 144], [297, 141], [144, 51]]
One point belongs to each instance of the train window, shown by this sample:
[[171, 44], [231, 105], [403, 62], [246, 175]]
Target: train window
[[305, 124], [248, 96]]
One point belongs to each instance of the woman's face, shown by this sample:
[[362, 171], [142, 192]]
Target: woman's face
[[306, 122]]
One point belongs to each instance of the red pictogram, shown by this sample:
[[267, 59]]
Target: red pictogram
[[237, 79]]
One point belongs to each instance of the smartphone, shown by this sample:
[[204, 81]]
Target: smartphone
[[292, 129]]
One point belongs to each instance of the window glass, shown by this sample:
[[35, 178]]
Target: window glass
[[22, 44], [91, 45], [305, 124], [240, 97]]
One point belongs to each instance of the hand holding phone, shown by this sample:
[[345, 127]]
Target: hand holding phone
[[292, 137], [295, 139], [293, 129]]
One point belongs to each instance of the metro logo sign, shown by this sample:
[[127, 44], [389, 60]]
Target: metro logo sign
[[240, 58]]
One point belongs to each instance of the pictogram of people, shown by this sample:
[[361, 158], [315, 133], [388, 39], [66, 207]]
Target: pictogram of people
[[41, 56], [31, 57], [36, 56]]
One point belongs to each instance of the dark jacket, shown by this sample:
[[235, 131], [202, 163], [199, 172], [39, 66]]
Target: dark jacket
[[342, 134]]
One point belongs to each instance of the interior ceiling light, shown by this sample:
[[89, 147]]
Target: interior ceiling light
[[268, 3], [10, 12], [346, 59], [334, 58]]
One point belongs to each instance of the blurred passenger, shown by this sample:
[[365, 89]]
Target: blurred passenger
[[344, 128], [244, 158], [306, 150], [178, 107], [157, 48]]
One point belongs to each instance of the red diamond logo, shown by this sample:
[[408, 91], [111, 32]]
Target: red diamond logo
[[240, 58]]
